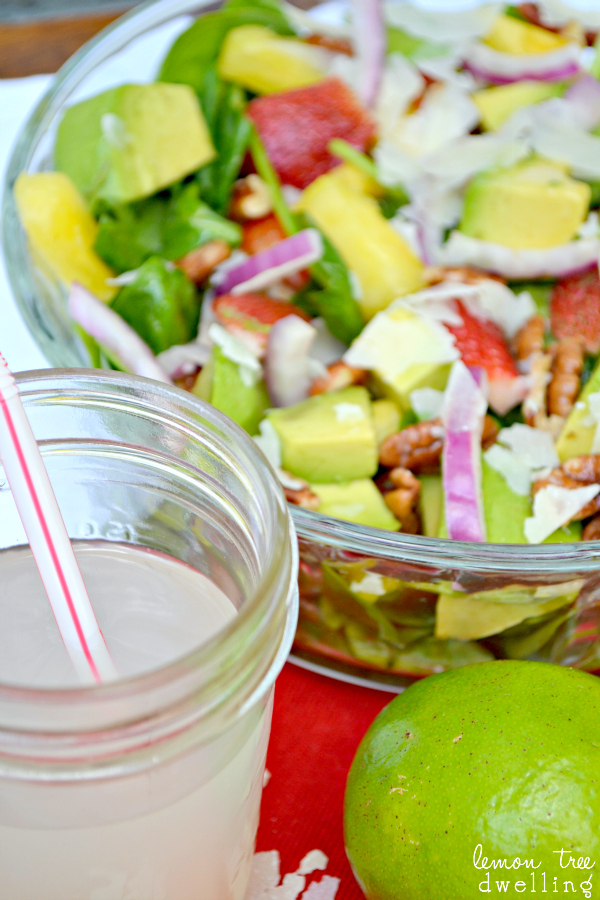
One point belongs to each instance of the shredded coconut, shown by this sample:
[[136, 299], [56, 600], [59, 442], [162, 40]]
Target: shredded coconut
[[371, 584], [313, 862], [325, 889], [554, 506], [348, 412]]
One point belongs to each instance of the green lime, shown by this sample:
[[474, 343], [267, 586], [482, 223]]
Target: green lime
[[471, 783]]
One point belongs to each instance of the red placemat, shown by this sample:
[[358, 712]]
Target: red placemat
[[317, 725]]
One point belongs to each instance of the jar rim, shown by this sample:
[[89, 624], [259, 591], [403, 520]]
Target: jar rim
[[267, 619]]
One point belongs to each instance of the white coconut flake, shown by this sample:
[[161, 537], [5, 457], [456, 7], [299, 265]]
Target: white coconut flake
[[314, 861], [238, 352], [446, 112], [291, 887], [441, 25], [407, 229], [264, 875], [326, 348], [325, 889], [290, 481], [348, 412], [401, 84], [266, 778], [426, 403], [371, 584], [269, 443], [591, 227], [554, 506], [516, 474]]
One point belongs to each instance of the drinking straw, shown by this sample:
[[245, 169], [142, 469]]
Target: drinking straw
[[48, 538]]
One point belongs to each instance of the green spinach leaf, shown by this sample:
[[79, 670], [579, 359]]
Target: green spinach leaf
[[161, 305]]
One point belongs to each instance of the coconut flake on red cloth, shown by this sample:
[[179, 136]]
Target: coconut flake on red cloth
[[265, 877], [554, 506], [314, 861], [325, 889]]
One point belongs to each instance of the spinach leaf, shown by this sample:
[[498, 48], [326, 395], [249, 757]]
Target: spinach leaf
[[167, 225], [197, 49], [161, 305], [330, 296], [223, 106], [391, 198], [265, 169]]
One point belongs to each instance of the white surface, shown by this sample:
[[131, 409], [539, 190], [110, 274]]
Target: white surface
[[17, 98]]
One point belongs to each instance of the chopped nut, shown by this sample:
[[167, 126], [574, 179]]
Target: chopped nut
[[575, 473], [534, 404], [339, 375], [491, 430], [403, 499], [566, 376], [591, 532], [461, 274], [198, 264], [330, 42], [419, 447], [530, 338], [251, 199], [187, 382], [303, 497]]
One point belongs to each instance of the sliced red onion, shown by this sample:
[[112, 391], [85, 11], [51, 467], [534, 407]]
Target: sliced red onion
[[282, 259], [182, 359], [369, 37], [288, 368], [553, 262], [504, 68], [464, 411], [113, 332], [583, 96]]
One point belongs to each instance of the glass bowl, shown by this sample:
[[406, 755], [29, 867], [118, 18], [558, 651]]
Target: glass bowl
[[381, 632]]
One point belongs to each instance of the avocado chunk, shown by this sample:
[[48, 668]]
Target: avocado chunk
[[132, 141], [221, 384], [469, 618], [328, 438], [577, 434], [386, 419], [532, 205], [497, 104], [356, 501], [431, 502]]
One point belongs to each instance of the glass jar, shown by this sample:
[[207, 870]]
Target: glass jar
[[149, 788], [387, 639]]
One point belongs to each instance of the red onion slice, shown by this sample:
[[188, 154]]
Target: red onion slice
[[113, 332], [504, 68], [583, 97], [289, 370], [288, 256], [464, 411], [553, 262], [368, 32]]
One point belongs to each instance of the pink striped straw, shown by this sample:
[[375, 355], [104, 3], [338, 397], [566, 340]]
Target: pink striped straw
[[48, 538]]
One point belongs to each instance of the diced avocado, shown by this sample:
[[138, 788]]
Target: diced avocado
[[329, 437], [263, 62], [356, 501], [531, 205], [468, 618], [62, 231], [132, 141], [386, 419], [431, 501], [384, 264], [497, 104], [222, 385], [511, 35], [519, 645], [577, 435]]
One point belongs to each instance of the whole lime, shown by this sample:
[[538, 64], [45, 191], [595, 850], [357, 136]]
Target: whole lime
[[472, 783]]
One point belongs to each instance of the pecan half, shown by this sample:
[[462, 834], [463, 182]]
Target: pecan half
[[251, 199], [529, 339], [460, 274], [566, 376], [198, 264], [402, 500], [575, 473], [331, 42], [187, 382], [303, 497], [419, 447], [339, 375], [534, 404], [591, 531]]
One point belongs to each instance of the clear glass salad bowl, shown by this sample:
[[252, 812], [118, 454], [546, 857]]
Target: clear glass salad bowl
[[368, 596]]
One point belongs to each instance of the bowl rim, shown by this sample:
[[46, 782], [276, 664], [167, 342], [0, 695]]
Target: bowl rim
[[549, 560]]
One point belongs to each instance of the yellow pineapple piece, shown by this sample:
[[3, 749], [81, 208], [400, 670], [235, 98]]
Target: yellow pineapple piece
[[62, 231], [510, 35], [383, 262], [260, 60]]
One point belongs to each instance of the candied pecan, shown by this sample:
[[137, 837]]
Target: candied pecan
[[575, 473], [530, 338], [461, 274], [198, 264], [417, 447], [534, 404], [403, 499], [187, 382], [490, 432], [566, 376], [251, 199], [339, 375], [591, 531], [303, 497], [331, 42]]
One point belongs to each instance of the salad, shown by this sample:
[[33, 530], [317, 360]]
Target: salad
[[375, 246]]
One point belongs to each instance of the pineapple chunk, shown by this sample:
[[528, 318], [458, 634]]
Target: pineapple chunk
[[384, 263], [260, 60], [510, 35], [62, 231]]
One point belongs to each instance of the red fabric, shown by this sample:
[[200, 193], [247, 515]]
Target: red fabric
[[318, 724]]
